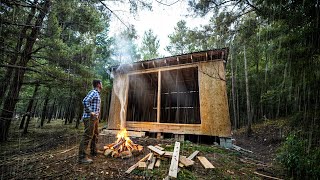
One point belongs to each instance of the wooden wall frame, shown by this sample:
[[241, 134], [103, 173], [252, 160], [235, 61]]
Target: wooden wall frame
[[214, 112]]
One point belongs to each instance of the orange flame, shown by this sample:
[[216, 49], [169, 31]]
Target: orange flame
[[123, 134]]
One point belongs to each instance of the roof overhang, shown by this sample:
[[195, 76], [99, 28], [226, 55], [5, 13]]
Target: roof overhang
[[190, 58]]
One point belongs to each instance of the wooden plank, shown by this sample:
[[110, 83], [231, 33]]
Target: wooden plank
[[185, 161], [160, 148], [205, 163], [142, 165], [158, 163], [156, 150], [173, 170], [167, 154], [181, 165], [266, 176], [130, 133], [165, 127], [137, 164], [150, 157], [193, 155], [152, 163]]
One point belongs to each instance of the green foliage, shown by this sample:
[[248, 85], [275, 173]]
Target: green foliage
[[150, 46], [185, 174], [299, 162]]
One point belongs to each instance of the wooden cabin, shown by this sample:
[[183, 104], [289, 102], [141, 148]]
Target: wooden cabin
[[183, 94]]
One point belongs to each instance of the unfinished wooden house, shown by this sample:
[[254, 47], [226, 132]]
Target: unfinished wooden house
[[183, 94]]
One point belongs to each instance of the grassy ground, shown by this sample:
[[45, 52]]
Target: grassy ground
[[51, 153]]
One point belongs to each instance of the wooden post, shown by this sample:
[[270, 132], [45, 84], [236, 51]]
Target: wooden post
[[159, 97]]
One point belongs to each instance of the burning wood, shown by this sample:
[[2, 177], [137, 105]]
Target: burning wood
[[123, 147]]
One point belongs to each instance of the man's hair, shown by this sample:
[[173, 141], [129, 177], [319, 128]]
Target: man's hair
[[96, 82]]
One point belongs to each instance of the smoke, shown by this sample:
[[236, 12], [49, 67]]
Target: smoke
[[124, 54], [120, 91]]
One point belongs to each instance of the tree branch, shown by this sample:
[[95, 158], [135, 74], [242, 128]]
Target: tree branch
[[160, 2], [113, 13]]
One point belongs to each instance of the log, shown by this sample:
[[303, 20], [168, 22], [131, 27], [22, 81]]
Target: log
[[173, 170], [137, 164], [205, 163], [108, 146], [125, 154], [156, 150], [118, 144], [108, 152]]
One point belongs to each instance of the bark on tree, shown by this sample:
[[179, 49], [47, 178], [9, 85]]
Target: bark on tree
[[22, 35], [25, 130], [249, 116], [15, 85], [30, 105], [233, 96], [45, 106], [52, 109]]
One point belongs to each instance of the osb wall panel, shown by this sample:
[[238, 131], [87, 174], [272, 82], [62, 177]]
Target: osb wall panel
[[114, 121], [214, 110]]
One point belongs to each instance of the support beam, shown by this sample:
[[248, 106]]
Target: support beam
[[159, 97]]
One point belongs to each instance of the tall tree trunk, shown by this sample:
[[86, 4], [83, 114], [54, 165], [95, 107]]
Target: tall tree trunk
[[15, 85], [249, 116], [22, 35], [45, 105], [80, 110], [71, 111], [25, 130], [29, 108], [52, 109], [233, 96]]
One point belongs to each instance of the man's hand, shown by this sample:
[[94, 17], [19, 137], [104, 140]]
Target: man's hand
[[93, 115]]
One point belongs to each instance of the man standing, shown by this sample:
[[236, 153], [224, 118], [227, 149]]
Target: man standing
[[90, 119]]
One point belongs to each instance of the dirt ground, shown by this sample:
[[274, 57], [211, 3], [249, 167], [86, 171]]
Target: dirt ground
[[52, 153]]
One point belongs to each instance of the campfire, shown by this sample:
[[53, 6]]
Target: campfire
[[123, 147]]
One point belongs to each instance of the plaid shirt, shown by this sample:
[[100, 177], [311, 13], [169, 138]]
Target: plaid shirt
[[91, 103]]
